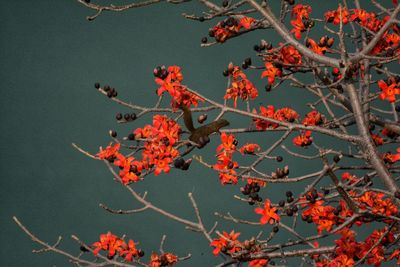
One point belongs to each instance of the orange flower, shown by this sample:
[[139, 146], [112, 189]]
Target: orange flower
[[343, 261], [246, 22], [258, 263], [130, 251], [290, 55], [228, 143], [298, 27], [227, 240], [334, 16], [303, 139], [266, 112], [162, 165], [301, 11], [389, 92], [240, 87], [109, 152], [271, 72], [109, 242], [249, 149], [268, 214], [313, 118], [315, 47], [286, 114], [166, 259], [391, 158]]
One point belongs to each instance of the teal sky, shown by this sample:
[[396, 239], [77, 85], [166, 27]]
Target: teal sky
[[50, 58]]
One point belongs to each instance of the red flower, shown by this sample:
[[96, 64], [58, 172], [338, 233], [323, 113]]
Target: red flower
[[240, 87], [266, 112], [298, 27], [108, 242], [313, 118], [391, 158], [377, 139], [249, 149], [258, 263], [109, 152], [334, 16], [271, 72], [162, 165], [268, 213], [315, 47], [286, 114], [228, 143], [290, 55], [166, 259], [303, 139], [301, 11], [227, 240], [389, 92], [246, 22], [130, 251]]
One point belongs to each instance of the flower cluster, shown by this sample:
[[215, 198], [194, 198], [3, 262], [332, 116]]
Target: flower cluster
[[115, 245], [289, 55], [335, 15], [377, 204], [313, 118], [370, 21], [283, 114], [348, 250], [314, 211], [230, 27], [225, 165], [130, 168], [229, 244], [165, 259], [158, 150], [300, 19], [169, 79], [240, 86]]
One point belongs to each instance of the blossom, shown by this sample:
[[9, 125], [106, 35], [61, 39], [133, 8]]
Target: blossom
[[228, 143], [166, 259], [389, 92], [249, 149], [268, 213], [315, 47], [109, 242], [226, 242], [286, 114], [130, 251], [247, 22], [290, 55], [391, 158], [109, 152], [172, 84], [258, 263], [266, 112], [240, 87], [271, 72], [334, 15], [304, 139], [313, 118]]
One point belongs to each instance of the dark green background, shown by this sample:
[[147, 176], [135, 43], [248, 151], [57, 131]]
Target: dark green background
[[50, 57]]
